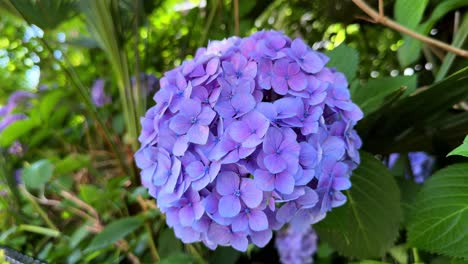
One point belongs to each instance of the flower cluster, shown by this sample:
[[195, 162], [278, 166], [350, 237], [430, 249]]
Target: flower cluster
[[296, 247], [421, 164], [148, 82], [250, 135]]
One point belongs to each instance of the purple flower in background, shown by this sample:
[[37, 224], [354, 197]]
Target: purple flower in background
[[421, 164], [149, 83], [16, 149], [296, 247], [98, 94], [251, 135]]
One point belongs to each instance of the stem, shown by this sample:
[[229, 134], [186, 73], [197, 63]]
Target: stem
[[416, 258], [394, 25], [236, 17], [209, 22], [154, 250], [38, 208]]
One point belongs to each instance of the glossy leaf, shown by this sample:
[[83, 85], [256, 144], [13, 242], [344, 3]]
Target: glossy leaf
[[438, 221], [367, 225], [36, 175], [114, 231], [345, 59]]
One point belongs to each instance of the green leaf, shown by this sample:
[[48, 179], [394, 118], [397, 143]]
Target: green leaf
[[345, 59], [168, 244], [367, 225], [39, 230], [374, 93], [410, 51], [114, 232], [439, 220], [72, 163], [408, 13], [48, 103], [392, 128], [225, 255], [178, 259], [462, 150], [458, 41], [15, 131], [36, 175]]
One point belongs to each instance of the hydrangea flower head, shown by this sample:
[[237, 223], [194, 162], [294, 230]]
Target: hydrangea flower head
[[296, 247], [251, 135], [421, 164]]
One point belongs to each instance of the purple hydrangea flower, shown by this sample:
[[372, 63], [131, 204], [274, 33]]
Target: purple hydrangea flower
[[98, 94], [16, 149], [9, 119], [421, 164], [296, 247], [149, 83], [251, 135]]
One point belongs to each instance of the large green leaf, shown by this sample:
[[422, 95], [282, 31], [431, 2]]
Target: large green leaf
[[16, 130], [439, 221], [46, 14], [408, 13], [410, 51], [345, 59], [367, 225], [37, 174], [392, 127], [168, 244], [114, 232], [373, 94], [462, 150]]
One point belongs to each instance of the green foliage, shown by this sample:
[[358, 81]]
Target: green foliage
[[376, 92], [345, 59], [15, 131], [462, 150], [36, 175], [367, 225], [114, 232], [440, 214]]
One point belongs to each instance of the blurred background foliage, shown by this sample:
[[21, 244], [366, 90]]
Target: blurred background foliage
[[58, 48]]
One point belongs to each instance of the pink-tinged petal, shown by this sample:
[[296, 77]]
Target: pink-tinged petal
[[219, 234], [198, 210], [198, 134], [201, 183], [240, 223], [227, 183], [244, 152], [299, 47], [229, 206], [206, 116], [250, 194], [190, 107], [239, 242], [261, 238], [212, 66], [284, 183], [312, 63], [238, 61], [250, 70], [279, 84], [180, 81], [341, 183], [186, 216], [258, 221], [238, 131], [281, 67], [293, 69], [286, 212], [187, 234], [288, 107], [180, 145], [264, 180], [273, 140], [274, 163], [243, 103], [195, 170], [180, 124], [268, 110], [298, 82]]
